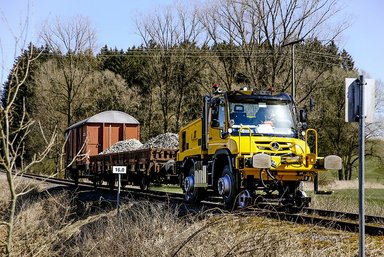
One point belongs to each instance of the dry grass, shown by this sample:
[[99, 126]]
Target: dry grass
[[352, 184], [152, 229], [140, 229], [47, 226]]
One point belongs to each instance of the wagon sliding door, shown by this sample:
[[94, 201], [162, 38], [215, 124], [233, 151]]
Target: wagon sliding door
[[94, 139]]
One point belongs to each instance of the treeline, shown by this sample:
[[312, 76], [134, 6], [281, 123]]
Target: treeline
[[162, 81]]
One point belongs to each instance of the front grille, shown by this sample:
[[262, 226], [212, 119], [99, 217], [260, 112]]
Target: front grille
[[274, 147]]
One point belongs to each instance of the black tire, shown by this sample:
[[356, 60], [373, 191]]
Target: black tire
[[97, 181], [94, 182], [111, 181], [124, 184], [67, 174], [230, 197], [144, 182], [75, 176], [195, 195], [296, 199]]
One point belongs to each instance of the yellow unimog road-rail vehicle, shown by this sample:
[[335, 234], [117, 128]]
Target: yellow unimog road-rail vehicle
[[249, 145]]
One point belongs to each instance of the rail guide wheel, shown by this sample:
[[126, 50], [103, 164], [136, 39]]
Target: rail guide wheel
[[244, 199]]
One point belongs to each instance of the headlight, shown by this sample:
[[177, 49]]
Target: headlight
[[261, 161], [333, 162]]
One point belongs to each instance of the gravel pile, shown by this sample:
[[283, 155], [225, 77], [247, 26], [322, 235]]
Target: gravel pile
[[123, 146], [167, 140]]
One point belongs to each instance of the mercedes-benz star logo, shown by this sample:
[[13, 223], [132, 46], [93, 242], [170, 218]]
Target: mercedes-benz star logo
[[275, 146]]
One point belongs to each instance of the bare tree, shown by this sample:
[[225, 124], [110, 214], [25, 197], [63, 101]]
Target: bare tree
[[72, 42], [170, 39], [260, 28], [64, 80], [228, 22], [74, 36], [336, 136], [374, 131], [11, 143]]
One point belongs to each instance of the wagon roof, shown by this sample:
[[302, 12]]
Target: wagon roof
[[107, 117]]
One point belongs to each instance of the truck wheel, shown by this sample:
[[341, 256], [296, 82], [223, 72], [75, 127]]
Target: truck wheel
[[226, 186], [192, 194]]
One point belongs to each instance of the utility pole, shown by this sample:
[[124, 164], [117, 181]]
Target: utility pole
[[293, 43]]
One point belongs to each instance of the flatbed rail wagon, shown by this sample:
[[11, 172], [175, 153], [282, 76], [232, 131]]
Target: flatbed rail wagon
[[143, 166]]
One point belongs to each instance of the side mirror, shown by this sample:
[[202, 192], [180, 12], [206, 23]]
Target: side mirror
[[303, 115], [224, 135], [303, 126], [311, 104], [215, 123]]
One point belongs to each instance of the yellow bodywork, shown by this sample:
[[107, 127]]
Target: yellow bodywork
[[292, 158]]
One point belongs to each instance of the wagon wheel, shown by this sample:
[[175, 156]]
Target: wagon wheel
[[124, 184], [67, 174], [75, 176], [111, 181], [144, 182], [97, 181]]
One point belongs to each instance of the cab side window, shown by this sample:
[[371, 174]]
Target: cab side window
[[217, 115]]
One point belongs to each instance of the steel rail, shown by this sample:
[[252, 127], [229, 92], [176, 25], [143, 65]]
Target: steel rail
[[344, 215], [328, 222]]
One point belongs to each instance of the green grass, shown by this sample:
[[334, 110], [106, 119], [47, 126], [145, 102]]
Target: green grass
[[167, 188], [347, 200], [345, 195], [374, 170], [374, 195]]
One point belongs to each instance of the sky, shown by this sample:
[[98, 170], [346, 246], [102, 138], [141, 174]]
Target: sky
[[114, 21]]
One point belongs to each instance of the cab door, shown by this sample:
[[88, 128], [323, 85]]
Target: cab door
[[216, 125]]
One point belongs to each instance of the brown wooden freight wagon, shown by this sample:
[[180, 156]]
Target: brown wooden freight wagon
[[96, 134]]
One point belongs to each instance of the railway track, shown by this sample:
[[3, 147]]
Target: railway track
[[325, 218], [331, 219]]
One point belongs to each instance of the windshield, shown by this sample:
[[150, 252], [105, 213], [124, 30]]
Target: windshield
[[267, 118]]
